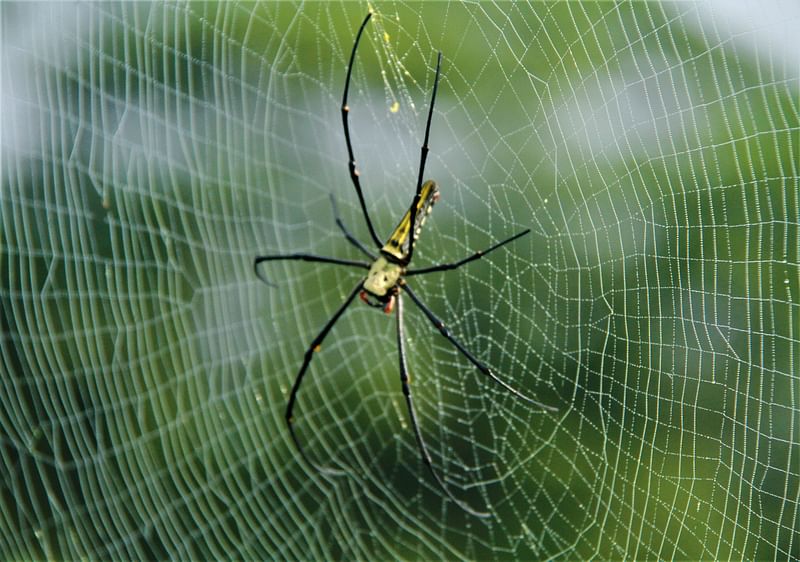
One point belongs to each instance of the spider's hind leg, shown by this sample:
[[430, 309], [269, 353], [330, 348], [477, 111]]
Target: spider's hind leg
[[350, 238], [351, 163]]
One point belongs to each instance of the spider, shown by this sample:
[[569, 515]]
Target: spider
[[385, 281]]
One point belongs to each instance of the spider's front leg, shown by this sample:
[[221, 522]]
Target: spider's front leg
[[313, 348], [439, 325], [405, 381]]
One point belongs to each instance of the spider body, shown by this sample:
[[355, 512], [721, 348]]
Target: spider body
[[386, 273], [385, 282]]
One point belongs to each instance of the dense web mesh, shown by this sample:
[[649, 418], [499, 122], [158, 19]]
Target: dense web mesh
[[150, 151]]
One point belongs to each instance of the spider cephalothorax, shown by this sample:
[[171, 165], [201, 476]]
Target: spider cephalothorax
[[385, 284]]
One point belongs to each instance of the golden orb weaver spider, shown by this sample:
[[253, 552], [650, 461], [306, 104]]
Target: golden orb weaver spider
[[385, 280]]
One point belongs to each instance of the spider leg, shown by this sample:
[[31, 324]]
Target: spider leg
[[473, 257], [426, 457], [313, 348], [352, 161], [302, 257], [423, 156], [439, 325], [350, 238]]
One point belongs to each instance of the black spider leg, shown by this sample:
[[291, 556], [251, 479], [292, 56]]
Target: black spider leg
[[352, 162], [404, 379], [473, 257], [350, 238], [423, 157], [302, 257], [439, 325], [313, 348]]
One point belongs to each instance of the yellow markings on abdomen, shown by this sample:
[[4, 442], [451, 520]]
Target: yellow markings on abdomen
[[398, 243]]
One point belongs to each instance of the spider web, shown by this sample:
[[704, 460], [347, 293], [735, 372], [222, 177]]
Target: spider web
[[150, 151]]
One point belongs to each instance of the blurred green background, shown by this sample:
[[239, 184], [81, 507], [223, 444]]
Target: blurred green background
[[150, 151]]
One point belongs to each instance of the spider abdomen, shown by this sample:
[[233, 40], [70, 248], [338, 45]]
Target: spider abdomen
[[404, 235]]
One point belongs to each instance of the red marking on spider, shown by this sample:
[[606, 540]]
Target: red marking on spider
[[389, 306]]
